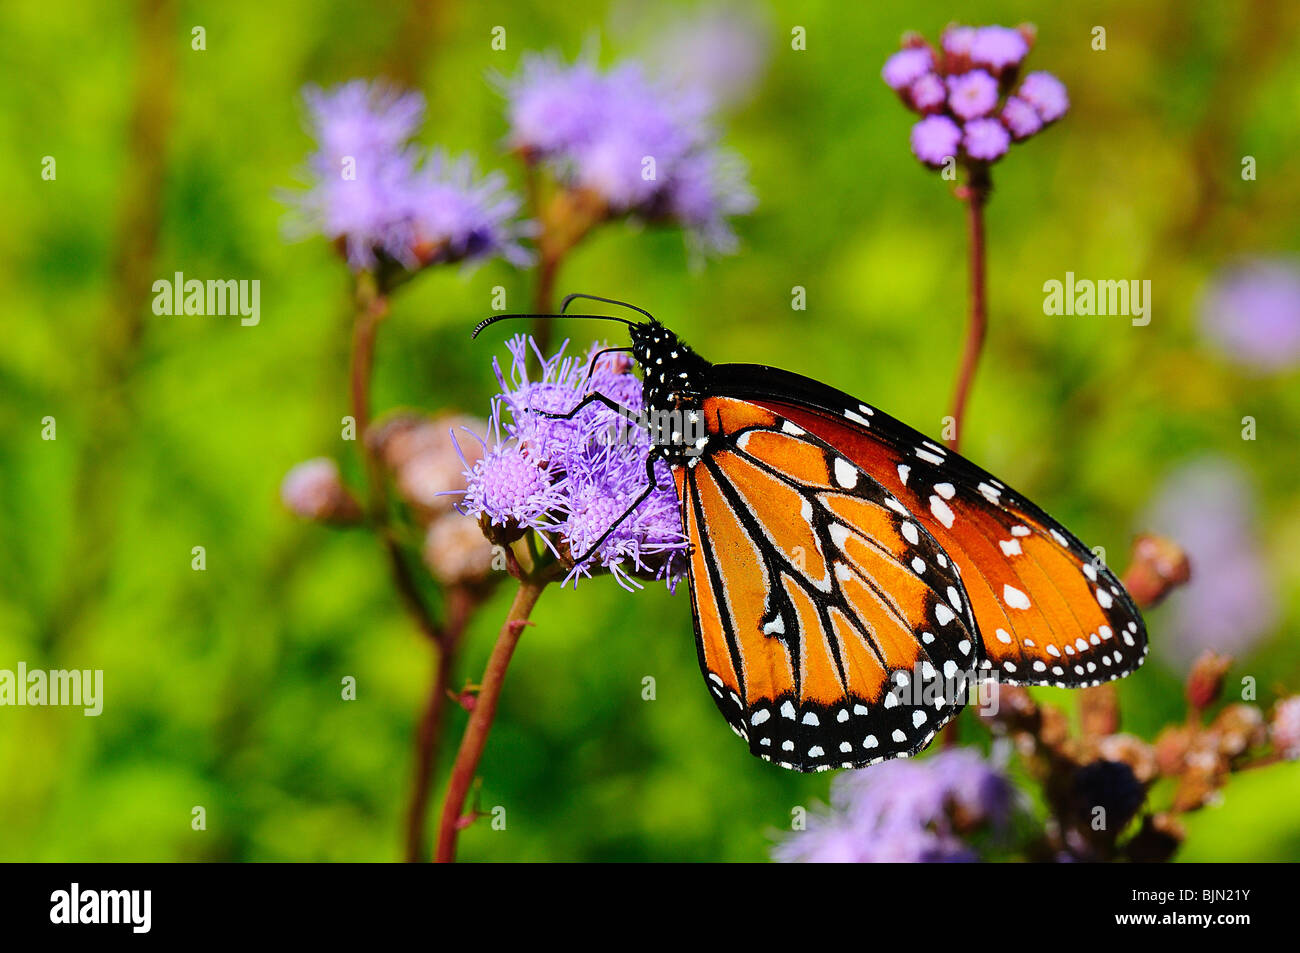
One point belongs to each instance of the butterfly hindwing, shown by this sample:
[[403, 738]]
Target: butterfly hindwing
[[832, 629]]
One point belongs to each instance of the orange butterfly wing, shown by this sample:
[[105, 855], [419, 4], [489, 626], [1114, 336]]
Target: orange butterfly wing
[[831, 628], [1046, 610]]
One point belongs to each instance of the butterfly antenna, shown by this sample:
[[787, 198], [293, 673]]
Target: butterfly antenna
[[502, 317], [564, 305]]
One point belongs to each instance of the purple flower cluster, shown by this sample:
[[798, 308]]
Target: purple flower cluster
[[905, 811], [380, 196], [967, 95], [646, 148], [569, 480], [1251, 314]]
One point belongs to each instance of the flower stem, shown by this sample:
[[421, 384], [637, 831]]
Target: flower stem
[[371, 306], [480, 720], [975, 194], [460, 607]]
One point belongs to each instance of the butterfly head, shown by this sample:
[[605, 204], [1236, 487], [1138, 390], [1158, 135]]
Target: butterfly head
[[673, 387]]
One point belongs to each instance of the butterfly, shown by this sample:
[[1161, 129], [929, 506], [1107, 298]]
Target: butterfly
[[849, 577]]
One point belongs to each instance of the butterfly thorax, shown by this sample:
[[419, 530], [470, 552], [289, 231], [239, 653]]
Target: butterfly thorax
[[672, 392]]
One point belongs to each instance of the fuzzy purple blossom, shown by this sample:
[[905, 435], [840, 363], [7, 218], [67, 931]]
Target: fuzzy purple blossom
[[998, 47], [646, 147], [572, 479], [907, 66], [927, 94], [935, 139], [958, 40], [972, 94], [380, 196], [905, 811], [1020, 118], [1251, 314], [985, 139], [1230, 602], [1046, 94]]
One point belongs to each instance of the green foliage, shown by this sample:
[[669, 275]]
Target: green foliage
[[223, 686]]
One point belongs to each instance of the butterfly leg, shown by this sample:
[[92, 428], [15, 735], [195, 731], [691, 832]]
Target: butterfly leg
[[595, 397], [651, 486], [591, 368]]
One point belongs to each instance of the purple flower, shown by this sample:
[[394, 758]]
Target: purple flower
[[360, 118], [511, 487], [1020, 118], [719, 53], [907, 66], [379, 195], [935, 139], [998, 47], [985, 139], [964, 92], [1207, 507], [646, 148], [904, 811], [972, 94], [928, 93], [572, 479], [708, 188], [552, 106], [1046, 94], [459, 217], [1251, 313], [958, 40]]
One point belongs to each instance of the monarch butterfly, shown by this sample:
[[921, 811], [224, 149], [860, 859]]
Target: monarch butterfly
[[848, 576]]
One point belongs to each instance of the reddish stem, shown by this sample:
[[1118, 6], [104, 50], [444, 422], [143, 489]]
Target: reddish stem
[[481, 718], [371, 307], [976, 195], [460, 606]]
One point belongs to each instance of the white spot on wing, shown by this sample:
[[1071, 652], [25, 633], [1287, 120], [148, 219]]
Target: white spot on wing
[[846, 474], [1014, 597], [941, 511]]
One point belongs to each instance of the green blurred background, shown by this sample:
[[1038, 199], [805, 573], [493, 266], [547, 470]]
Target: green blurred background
[[223, 687]]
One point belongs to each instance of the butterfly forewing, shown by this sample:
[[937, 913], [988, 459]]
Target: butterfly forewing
[[1046, 610], [831, 627]]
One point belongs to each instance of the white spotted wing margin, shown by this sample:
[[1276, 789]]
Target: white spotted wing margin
[[870, 713]]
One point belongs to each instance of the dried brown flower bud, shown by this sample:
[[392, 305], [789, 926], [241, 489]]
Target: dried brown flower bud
[[1171, 749], [1238, 728], [422, 456], [1099, 711], [1285, 729], [314, 490], [455, 550], [1205, 681], [1158, 565]]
